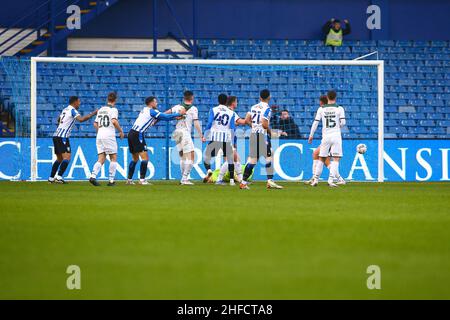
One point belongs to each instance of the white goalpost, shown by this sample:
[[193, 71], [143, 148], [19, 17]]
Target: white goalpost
[[378, 63]]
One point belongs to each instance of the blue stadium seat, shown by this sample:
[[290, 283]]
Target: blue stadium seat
[[417, 77]]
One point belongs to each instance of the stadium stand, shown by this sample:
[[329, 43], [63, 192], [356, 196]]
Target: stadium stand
[[417, 79]]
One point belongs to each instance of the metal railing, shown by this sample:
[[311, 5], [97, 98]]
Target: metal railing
[[49, 19]]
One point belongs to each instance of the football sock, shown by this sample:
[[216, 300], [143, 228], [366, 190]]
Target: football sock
[[63, 167], [334, 169], [269, 170], [143, 169], [314, 165], [223, 170], [337, 175], [188, 164], [112, 170], [96, 170], [238, 169], [231, 170], [248, 171], [182, 166], [331, 176], [131, 168], [318, 171], [55, 167]]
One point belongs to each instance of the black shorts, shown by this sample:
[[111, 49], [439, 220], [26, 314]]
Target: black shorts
[[213, 148], [61, 145], [259, 145], [136, 142]]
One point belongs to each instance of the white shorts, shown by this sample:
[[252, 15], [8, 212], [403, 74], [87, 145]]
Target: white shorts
[[183, 140], [331, 146], [108, 146]]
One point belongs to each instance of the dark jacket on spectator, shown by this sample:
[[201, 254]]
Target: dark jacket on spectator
[[288, 125]]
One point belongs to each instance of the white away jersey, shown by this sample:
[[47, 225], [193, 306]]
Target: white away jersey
[[221, 123], [236, 116], [147, 118], [259, 112], [333, 118], [186, 122], [67, 119], [104, 119]]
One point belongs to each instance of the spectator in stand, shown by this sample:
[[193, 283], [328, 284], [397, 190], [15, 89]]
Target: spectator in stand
[[334, 33], [287, 126]]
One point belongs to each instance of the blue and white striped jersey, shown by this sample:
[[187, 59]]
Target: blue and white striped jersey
[[147, 118], [67, 119], [221, 124], [259, 112]]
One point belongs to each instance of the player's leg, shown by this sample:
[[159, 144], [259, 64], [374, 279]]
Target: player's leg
[[229, 157], [315, 158], [97, 167], [334, 169], [177, 136], [336, 152], [251, 160], [62, 150], [62, 167], [266, 148], [101, 151], [323, 155], [237, 165], [209, 152], [188, 164], [223, 171], [181, 156], [112, 169], [143, 168], [55, 167], [132, 167], [189, 157], [269, 172], [318, 171], [132, 147]]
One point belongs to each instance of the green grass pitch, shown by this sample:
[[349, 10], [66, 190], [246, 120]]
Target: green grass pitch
[[209, 242]]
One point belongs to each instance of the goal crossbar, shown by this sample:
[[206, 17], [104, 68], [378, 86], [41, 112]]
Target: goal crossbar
[[378, 63]]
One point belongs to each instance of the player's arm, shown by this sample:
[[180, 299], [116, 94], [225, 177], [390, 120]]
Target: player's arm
[[198, 127], [342, 117], [233, 122], [210, 121], [86, 117], [315, 125], [96, 123], [265, 119], [115, 122], [240, 122], [164, 116], [116, 125], [209, 124], [248, 119], [182, 112]]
